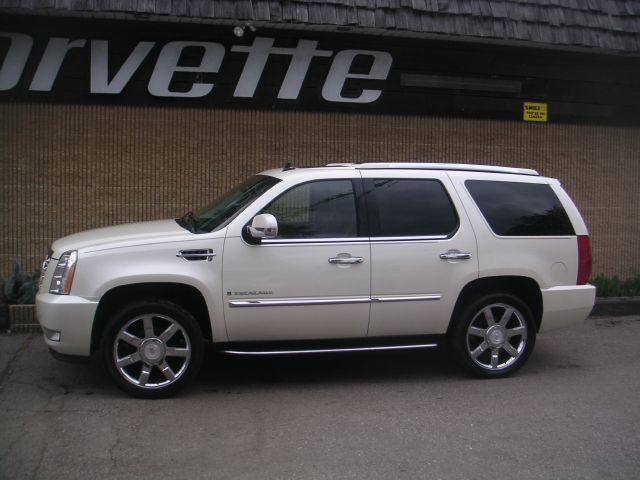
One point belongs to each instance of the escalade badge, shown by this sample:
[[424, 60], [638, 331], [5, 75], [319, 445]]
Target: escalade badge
[[252, 293]]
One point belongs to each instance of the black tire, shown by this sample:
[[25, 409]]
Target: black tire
[[152, 348], [494, 336]]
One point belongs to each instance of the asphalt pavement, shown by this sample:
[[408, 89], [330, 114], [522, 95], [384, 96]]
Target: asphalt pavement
[[573, 412]]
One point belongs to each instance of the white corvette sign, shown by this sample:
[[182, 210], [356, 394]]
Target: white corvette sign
[[106, 79]]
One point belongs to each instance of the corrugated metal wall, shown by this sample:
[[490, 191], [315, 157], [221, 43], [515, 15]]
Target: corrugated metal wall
[[69, 168]]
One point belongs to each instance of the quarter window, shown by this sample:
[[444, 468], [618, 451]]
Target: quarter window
[[323, 209], [412, 208], [520, 209]]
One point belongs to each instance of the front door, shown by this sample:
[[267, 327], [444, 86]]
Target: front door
[[310, 282]]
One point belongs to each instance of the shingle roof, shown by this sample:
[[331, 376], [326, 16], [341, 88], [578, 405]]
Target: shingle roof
[[610, 25]]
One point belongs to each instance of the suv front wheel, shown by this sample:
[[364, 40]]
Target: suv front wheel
[[494, 336], [152, 348]]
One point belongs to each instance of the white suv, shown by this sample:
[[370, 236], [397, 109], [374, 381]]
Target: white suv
[[343, 257]]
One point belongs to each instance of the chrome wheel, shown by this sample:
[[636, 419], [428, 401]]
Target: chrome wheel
[[496, 336], [151, 351]]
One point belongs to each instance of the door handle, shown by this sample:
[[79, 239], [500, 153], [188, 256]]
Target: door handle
[[455, 255], [346, 260]]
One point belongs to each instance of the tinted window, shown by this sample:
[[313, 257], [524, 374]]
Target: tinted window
[[412, 208], [224, 209], [324, 209], [520, 209]]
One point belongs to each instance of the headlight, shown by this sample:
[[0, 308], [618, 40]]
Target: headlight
[[63, 274]]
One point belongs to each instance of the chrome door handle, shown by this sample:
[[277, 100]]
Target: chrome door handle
[[455, 255], [346, 260]]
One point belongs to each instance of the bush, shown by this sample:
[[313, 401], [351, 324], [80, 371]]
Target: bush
[[614, 287], [20, 287]]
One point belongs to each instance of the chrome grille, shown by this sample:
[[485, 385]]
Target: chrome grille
[[45, 264]]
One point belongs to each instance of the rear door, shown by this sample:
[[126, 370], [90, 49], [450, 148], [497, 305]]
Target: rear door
[[423, 251]]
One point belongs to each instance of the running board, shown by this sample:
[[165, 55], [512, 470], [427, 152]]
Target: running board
[[329, 350]]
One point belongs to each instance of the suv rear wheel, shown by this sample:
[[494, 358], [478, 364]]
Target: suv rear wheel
[[494, 336], [152, 348]]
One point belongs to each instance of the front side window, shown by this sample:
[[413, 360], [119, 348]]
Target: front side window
[[520, 209], [411, 208], [322, 209]]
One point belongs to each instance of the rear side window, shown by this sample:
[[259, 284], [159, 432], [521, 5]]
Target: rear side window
[[411, 208], [520, 209]]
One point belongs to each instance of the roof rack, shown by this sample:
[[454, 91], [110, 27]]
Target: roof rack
[[436, 166]]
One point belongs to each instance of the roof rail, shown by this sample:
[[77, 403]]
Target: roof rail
[[436, 166]]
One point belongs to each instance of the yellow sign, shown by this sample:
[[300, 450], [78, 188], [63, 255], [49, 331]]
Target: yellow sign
[[535, 112]]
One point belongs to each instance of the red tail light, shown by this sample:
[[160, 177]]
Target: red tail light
[[584, 259]]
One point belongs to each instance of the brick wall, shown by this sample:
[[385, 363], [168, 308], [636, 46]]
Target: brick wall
[[69, 168]]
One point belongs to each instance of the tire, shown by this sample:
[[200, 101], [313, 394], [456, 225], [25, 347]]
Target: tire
[[494, 336], [152, 348]]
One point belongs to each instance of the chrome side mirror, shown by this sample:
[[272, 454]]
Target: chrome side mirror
[[264, 225]]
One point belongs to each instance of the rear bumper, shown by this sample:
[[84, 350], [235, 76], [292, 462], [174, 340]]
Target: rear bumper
[[68, 318], [566, 305]]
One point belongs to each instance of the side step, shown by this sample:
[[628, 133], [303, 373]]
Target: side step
[[329, 350]]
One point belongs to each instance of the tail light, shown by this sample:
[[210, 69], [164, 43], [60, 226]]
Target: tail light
[[584, 259]]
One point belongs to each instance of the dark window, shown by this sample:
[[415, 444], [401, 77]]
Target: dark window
[[226, 208], [323, 209], [520, 209], [412, 208]]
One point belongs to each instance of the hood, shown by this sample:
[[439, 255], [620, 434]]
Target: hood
[[130, 234]]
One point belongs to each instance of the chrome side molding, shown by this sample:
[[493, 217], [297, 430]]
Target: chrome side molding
[[285, 303], [406, 298], [331, 301]]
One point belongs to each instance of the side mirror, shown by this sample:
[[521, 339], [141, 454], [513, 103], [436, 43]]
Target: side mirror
[[264, 225]]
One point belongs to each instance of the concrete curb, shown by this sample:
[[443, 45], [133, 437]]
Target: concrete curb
[[616, 306], [22, 318]]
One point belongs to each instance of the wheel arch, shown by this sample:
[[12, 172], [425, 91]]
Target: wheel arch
[[187, 296], [524, 288]]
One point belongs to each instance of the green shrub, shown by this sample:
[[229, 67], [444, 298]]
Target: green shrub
[[614, 287], [20, 287]]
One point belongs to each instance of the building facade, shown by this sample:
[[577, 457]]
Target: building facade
[[113, 112]]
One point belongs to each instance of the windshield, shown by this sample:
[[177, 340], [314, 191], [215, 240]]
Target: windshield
[[222, 210]]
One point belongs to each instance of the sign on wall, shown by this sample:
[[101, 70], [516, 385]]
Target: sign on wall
[[534, 112], [197, 62], [89, 61]]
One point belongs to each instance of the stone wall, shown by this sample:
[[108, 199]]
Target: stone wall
[[65, 168]]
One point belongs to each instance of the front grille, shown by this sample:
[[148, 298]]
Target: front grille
[[45, 264]]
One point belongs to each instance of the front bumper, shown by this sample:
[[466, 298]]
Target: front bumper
[[566, 305], [72, 317]]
